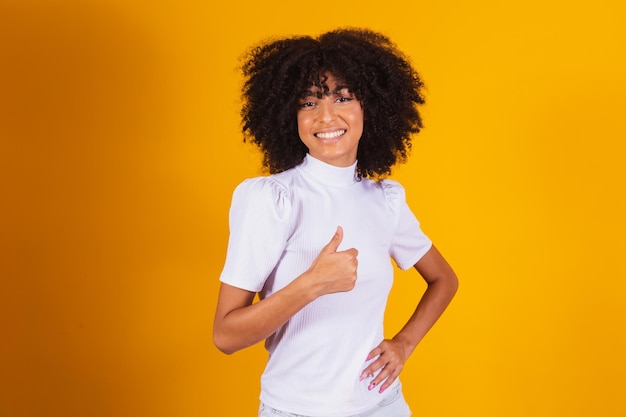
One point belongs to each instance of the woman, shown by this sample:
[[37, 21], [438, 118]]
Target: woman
[[314, 239]]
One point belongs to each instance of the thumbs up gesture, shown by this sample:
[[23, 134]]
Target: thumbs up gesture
[[333, 271]]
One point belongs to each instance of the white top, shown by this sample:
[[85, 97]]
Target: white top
[[278, 225]]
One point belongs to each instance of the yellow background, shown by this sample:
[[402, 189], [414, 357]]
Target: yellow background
[[120, 147]]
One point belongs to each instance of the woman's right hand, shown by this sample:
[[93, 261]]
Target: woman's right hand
[[240, 323], [333, 271]]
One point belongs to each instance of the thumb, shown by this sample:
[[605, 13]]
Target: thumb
[[335, 241]]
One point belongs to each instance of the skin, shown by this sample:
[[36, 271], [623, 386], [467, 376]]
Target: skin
[[393, 353], [240, 323], [331, 125]]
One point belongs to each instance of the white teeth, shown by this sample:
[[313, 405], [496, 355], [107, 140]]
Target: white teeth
[[330, 135]]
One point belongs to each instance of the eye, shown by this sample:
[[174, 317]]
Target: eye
[[306, 104], [343, 99]]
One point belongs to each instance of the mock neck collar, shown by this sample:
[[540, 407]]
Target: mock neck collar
[[328, 174]]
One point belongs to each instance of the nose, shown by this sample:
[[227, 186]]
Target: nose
[[327, 111]]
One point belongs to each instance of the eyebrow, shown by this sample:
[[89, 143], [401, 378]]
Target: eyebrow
[[336, 90], [339, 88]]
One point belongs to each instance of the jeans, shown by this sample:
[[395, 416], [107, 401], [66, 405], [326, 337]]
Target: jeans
[[393, 405]]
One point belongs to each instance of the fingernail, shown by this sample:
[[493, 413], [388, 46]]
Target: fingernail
[[381, 390], [372, 385], [362, 377]]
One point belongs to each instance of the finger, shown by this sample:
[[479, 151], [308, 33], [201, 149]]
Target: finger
[[387, 383], [374, 366], [376, 381], [385, 377], [374, 352], [335, 241]]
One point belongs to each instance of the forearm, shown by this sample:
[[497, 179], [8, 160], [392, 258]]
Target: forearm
[[252, 323], [239, 323], [431, 306], [392, 354]]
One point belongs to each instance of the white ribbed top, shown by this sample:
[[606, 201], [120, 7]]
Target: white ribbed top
[[278, 225]]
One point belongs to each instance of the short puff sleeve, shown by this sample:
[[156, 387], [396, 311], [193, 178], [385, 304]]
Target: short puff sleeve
[[408, 243], [259, 229]]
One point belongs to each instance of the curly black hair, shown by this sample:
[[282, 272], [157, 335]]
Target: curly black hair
[[277, 73]]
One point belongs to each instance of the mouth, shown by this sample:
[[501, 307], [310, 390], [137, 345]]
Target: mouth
[[330, 135]]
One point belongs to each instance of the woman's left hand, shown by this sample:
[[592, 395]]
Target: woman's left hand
[[391, 357], [391, 354]]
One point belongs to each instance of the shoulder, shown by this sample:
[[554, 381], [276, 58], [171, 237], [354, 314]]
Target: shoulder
[[393, 190], [271, 192], [394, 195], [261, 185]]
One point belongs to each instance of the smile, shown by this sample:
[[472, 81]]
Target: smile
[[330, 135]]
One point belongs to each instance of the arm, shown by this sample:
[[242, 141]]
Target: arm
[[239, 323], [392, 354]]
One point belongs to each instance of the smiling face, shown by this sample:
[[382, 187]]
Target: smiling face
[[330, 123]]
